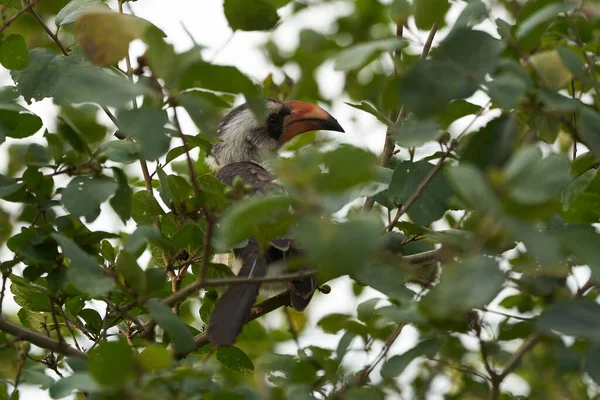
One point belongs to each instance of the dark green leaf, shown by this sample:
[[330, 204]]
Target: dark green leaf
[[533, 180], [112, 363], [85, 84], [542, 15], [235, 359], [492, 145], [178, 332], [121, 201], [384, 278], [578, 318], [259, 15], [580, 198], [155, 357], [397, 364], [17, 122], [132, 273], [262, 218], [220, 78], [429, 12], [456, 110], [40, 78], [84, 271], [69, 13], [93, 320], [13, 53], [473, 188], [83, 195], [433, 201], [456, 294], [412, 132], [589, 129], [79, 381], [592, 363], [145, 208], [122, 151], [340, 248], [146, 124], [29, 296]]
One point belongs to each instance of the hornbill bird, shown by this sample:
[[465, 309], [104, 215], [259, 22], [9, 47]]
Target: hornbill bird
[[244, 139]]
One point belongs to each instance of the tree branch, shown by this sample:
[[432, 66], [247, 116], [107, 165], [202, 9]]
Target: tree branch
[[388, 148], [39, 340], [515, 360], [48, 31], [267, 306], [419, 191], [17, 15]]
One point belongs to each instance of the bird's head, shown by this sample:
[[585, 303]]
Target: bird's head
[[244, 137]]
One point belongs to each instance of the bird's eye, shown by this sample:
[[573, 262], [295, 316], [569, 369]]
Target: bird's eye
[[275, 125]]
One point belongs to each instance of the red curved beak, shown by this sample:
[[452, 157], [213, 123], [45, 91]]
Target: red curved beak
[[306, 117]]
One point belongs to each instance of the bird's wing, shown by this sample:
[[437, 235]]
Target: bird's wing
[[233, 308], [250, 173]]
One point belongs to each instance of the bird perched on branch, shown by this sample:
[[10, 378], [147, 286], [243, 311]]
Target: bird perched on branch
[[244, 139]]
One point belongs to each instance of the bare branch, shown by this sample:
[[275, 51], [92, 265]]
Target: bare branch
[[515, 360], [29, 6], [39, 340]]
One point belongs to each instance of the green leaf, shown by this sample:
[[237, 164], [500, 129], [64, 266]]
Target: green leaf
[[581, 242], [178, 332], [146, 124], [122, 151], [93, 320], [359, 55], [579, 318], [474, 13], [366, 107], [385, 278], [202, 111], [84, 84], [429, 12], [13, 53], [80, 381], [473, 188], [29, 296], [40, 78], [173, 188], [397, 364], [132, 273], [580, 199], [136, 242], [259, 15], [17, 122], [37, 378], [589, 129], [112, 363], [492, 145], [262, 218], [235, 359], [434, 199], [145, 208], [84, 194], [456, 294], [533, 180], [592, 363], [121, 201], [155, 357], [508, 89], [74, 9], [542, 15], [456, 110], [220, 78], [412, 132], [340, 248], [84, 271]]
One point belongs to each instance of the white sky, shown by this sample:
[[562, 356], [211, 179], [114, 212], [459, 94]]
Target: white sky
[[206, 22]]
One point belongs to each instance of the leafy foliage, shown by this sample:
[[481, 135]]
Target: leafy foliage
[[475, 229]]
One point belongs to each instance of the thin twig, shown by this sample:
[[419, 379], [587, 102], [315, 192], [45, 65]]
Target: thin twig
[[48, 31], [3, 290], [419, 191], [461, 367], [292, 329], [398, 116], [12, 19], [191, 169], [514, 361], [198, 284], [61, 339], [39, 340]]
